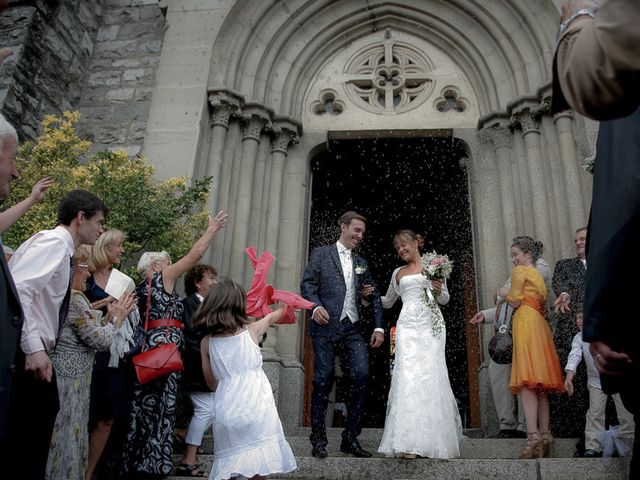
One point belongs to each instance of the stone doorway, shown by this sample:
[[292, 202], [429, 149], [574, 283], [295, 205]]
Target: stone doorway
[[401, 180]]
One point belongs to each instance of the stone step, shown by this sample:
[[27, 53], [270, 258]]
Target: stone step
[[481, 458], [349, 468], [473, 446]]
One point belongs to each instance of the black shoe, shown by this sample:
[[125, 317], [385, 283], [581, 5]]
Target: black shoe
[[319, 451], [592, 454], [353, 447]]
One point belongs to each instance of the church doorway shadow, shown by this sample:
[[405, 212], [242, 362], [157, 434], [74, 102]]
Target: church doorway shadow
[[399, 182]]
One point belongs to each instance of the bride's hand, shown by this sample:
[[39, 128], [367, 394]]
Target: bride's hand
[[436, 286]]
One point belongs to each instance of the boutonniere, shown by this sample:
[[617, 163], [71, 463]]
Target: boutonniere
[[360, 269]]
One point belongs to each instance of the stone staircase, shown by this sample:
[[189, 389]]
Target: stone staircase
[[481, 458]]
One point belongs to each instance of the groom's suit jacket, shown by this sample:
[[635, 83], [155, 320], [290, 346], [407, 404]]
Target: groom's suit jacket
[[323, 283]]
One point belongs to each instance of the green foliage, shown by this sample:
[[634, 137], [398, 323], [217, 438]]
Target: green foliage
[[154, 215]]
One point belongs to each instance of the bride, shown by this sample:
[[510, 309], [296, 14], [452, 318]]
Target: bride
[[422, 414]]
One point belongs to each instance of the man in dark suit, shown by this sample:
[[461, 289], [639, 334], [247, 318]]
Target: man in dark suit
[[339, 282], [10, 309], [597, 72], [569, 277]]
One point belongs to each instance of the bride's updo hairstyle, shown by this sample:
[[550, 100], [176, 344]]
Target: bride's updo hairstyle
[[409, 235], [529, 245]]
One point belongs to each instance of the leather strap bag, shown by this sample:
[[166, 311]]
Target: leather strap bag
[[161, 360], [501, 344]]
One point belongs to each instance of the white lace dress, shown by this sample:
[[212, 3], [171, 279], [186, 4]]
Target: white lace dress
[[247, 434], [422, 414]]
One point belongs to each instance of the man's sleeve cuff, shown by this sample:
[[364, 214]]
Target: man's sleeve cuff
[[381, 330]]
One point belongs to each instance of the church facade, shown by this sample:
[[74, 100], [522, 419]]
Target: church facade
[[252, 93]]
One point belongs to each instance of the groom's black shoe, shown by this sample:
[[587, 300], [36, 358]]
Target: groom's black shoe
[[319, 451], [353, 447]]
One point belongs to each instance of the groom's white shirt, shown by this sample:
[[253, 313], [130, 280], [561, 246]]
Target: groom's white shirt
[[349, 308]]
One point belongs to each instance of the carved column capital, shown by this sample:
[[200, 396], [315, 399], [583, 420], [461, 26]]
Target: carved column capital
[[285, 133], [527, 117], [223, 105], [254, 118]]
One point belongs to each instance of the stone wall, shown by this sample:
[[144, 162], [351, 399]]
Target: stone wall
[[117, 95], [53, 42]]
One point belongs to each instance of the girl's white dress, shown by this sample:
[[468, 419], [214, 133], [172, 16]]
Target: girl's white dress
[[247, 434], [422, 413]]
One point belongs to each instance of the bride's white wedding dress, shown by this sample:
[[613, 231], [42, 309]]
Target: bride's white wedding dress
[[422, 414]]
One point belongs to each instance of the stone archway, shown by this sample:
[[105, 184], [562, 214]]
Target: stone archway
[[403, 179]]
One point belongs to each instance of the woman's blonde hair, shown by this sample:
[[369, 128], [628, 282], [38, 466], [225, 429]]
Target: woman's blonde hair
[[82, 254], [99, 258], [407, 234]]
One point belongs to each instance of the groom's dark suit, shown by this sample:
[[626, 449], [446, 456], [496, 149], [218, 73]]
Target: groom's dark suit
[[324, 284]]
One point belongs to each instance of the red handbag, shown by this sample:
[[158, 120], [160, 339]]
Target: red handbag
[[161, 360]]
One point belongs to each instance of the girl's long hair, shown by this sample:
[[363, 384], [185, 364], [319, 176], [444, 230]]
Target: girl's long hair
[[223, 310]]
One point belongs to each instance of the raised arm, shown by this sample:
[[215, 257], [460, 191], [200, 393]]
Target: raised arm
[[174, 271], [13, 214], [259, 327]]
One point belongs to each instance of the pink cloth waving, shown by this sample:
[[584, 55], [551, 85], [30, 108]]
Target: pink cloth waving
[[261, 295]]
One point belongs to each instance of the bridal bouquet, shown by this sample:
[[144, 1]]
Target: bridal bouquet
[[437, 267]]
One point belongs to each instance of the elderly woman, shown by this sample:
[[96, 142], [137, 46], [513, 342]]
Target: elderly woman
[[112, 385], [149, 445], [85, 331]]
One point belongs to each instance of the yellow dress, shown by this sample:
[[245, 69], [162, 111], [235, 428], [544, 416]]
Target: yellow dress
[[535, 361]]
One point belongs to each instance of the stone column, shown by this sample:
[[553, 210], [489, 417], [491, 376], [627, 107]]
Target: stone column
[[491, 259], [286, 133], [254, 119], [527, 117], [521, 182], [500, 136], [576, 207], [223, 105], [288, 273], [256, 221], [563, 237]]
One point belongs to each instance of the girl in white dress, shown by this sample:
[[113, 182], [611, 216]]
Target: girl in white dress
[[422, 413], [247, 434]]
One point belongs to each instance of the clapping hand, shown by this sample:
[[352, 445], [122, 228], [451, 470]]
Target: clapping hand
[[119, 309]]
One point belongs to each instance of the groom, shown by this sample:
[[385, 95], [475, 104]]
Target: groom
[[337, 280]]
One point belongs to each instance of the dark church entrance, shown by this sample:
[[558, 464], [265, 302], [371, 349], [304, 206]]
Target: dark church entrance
[[414, 182]]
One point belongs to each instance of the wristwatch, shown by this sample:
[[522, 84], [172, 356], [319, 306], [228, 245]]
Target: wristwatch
[[578, 13]]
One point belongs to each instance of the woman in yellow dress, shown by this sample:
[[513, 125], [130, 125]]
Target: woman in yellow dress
[[535, 370]]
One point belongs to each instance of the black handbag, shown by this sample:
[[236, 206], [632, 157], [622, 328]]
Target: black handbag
[[501, 345]]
